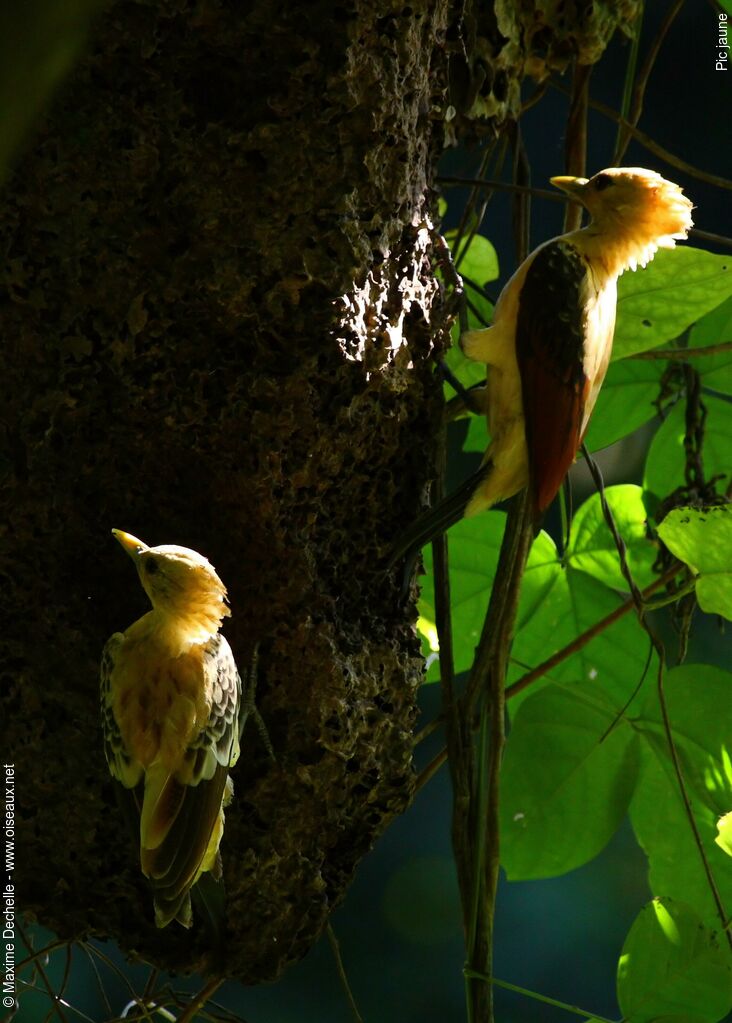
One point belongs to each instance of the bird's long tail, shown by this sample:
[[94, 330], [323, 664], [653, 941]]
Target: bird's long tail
[[435, 521]]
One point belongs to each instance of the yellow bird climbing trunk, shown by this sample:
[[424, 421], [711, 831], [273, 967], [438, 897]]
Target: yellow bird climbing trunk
[[171, 713]]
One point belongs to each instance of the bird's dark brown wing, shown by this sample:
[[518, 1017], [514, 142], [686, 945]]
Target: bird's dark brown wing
[[551, 333]]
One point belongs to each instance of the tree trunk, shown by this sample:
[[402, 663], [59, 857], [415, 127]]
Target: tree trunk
[[220, 313]]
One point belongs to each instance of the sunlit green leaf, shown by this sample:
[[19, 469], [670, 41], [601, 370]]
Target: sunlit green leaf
[[625, 401], [702, 539], [697, 696], [612, 663], [566, 784], [724, 833], [592, 548], [474, 545], [672, 965], [656, 304]]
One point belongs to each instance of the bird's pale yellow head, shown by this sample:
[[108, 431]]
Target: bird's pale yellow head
[[182, 585], [634, 211]]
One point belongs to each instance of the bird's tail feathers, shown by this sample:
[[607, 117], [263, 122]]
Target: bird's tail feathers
[[162, 801], [436, 520], [209, 899]]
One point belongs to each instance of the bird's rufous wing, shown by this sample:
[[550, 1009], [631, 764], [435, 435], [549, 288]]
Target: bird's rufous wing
[[551, 333]]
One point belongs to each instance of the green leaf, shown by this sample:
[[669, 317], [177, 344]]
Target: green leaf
[[724, 833], [467, 371], [656, 304], [625, 401], [478, 265], [591, 546], [665, 462], [673, 966], [696, 698], [715, 328], [695, 695], [612, 663], [558, 603], [565, 788], [477, 437], [474, 547], [702, 539]]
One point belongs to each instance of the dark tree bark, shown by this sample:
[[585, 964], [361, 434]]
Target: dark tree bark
[[219, 317], [219, 277]]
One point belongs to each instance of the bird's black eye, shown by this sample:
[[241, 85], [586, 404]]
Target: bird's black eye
[[151, 566], [602, 181]]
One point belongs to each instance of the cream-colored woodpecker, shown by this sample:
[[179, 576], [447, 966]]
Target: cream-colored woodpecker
[[549, 347], [172, 713]]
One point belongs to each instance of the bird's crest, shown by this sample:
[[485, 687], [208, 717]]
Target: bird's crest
[[182, 585], [634, 213]]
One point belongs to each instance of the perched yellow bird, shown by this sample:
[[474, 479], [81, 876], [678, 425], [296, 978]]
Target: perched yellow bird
[[549, 347], [172, 715]]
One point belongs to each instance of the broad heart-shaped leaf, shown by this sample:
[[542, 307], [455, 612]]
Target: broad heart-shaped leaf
[[565, 788], [713, 329], [625, 401], [592, 548], [697, 698], [557, 604], [474, 545], [674, 967], [656, 304], [665, 462], [612, 663], [702, 539]]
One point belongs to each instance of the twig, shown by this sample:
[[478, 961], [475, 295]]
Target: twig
[[428, 772], [709, 236], [486, 680], [427, 731], [636, 108], [521, 202], [658, 645], [621, 140], [545, 667], [575, 144], [199, 1000], [653, 147], [55, 999], [336, 950], [502, 186], [689, 810], [585, 637], [100, 983], [682, 354], [535, 996]]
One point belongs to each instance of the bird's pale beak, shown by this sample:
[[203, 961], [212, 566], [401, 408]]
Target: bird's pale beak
[[130, 543], [572, 186]]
